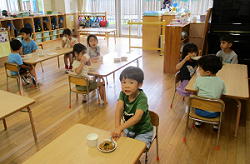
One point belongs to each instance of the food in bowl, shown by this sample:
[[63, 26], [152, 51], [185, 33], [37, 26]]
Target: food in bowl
[[91, 69], [106, 145], [117, 59], [58, 48], [124, 58]]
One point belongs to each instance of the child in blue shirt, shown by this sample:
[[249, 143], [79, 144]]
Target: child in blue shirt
[[14, 57], [28, 45], [208, 84]]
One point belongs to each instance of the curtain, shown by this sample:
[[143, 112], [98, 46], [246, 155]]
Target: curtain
[[81, 4]]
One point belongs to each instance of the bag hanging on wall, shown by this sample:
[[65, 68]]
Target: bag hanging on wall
[[104, 22]]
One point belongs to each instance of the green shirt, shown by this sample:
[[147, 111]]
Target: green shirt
[[140, 102]]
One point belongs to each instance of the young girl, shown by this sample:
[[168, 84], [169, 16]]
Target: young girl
[[93, 50], [187, 67], [82, 59], [68, 42]]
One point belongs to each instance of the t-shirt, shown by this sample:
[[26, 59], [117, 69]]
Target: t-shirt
[[140, 102], [210, 86], [77, 63], [67, 45], [228, 58], [28, 47], [92, 53], [188, 69], [15, 58]]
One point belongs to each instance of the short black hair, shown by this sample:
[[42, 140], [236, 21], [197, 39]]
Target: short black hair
[[67, 31], [26, 30], [15, 44], [210, 63], [88, 38], [188, 48], [78, 47], [227, 38], [132, 72]]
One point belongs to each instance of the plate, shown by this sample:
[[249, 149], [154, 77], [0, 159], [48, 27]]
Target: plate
[[106, 151], [196, 57]]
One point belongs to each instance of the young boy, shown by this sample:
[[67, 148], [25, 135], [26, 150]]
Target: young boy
[[14, 57], [28, 44], [208, 84], [226, 53], [132, 107]]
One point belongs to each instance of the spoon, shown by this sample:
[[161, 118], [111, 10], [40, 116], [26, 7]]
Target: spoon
[[111, 140]]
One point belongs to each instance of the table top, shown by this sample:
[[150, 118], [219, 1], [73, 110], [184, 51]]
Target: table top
[[96, 30], [11, 103], [72, 147], [109, 66], [47, 54], [235, 77]]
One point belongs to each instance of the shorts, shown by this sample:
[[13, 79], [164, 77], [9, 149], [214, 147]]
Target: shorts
[[92, 86], [145, 137], [23, 70], [181, 89], [206, 114]]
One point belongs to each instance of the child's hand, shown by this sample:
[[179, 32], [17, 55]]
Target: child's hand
[[116, 134], [93, 60], [83, 58], [188, 57]]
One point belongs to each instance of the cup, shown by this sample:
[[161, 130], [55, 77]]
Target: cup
[[92, 139], [100, 58], [29, 56], [40, 51]]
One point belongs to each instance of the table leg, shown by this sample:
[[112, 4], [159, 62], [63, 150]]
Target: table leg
[[107, 38], [137, 62], [33, 67], [103, 83], [32, 123], [238, 118], [58, 61], [4, 124], [115, 36]]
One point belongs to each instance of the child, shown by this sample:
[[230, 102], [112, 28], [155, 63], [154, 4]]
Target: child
[[82, 59], [187, 67], [68, 42], [28, 45], [226, 53], [93, 50], [209, 85], [14, 57], [132, 107]]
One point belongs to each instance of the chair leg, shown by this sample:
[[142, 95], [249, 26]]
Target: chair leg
[[146, 158], [88, 104], [107, 80], [20, 86], [157, 149], [42, 67], [7, 83], [4, 124], [218, 137], [183, 98], [185, 133], [76, 96], [69, 99], [172, 99]]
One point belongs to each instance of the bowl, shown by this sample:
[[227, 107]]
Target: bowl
[[117, 59], [106, 151], [40, 55], [58, 48], [196, 57], [92, 69], [124, 57]]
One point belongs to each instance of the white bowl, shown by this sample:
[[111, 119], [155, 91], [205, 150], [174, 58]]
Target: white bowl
[[92, 69], [107, 151], [196, 57], [117, 59], [124, 57]]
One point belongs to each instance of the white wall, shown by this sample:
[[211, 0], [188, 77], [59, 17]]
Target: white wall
[[58, 5], [70, 6], [47, 6]]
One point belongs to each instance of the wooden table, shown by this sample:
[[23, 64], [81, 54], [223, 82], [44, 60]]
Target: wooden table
[[11, 103], [72, 147], [86, 31], [48, 54], [235, 77], [108, 66]]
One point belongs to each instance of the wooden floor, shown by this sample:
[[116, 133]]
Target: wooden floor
[[52, 116]]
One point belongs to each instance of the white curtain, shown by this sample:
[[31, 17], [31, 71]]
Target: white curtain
[[81, 5]]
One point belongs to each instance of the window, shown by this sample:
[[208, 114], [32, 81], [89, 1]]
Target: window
[[25, 5], [3, 6], [13, 5]]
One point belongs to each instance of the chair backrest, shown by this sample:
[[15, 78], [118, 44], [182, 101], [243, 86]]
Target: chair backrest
[[78, 80], [11, 66], [208, 104], [154, 118], [205, 29]]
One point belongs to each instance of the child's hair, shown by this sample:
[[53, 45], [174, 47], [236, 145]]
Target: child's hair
[[78, 47], [15, 44], [210, 63], [67, 32], [26, 30], [227, 38], [132, 72], [88, 38], [189, 47]]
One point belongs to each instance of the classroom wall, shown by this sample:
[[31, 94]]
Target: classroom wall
[[47, 5]]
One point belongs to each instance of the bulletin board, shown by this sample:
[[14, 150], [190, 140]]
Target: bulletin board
[[4, 44]]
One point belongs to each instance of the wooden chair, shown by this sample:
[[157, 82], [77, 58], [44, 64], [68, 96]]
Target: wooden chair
[[78, 80], [176, 80], [155, 122], [208, 104], [41, 45], [13, 67]]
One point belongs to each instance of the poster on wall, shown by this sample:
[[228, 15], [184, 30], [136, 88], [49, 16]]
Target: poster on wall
[[4, 44]]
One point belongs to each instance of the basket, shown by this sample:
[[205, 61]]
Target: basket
[[47, 38], [46, 33]]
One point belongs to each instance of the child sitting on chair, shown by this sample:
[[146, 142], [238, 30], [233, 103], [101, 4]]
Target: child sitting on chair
[[208, 84], [68, 42], [226, 53], [28, 44], [132, 108], [82, 59], [93, 49]]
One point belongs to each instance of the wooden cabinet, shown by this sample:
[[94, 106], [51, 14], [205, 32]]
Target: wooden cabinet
[[39, 36], [151, 33], [195, 34], [172, 46]]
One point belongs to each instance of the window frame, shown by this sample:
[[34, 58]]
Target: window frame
[[21, 7]]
